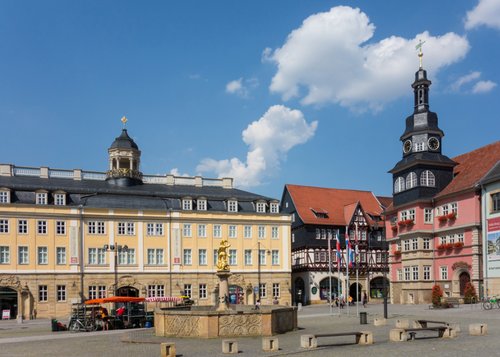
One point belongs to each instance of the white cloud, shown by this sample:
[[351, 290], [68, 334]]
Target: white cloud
[[487, 13], [175, 172], [242, 87], [464, 80], [483, 87], [329, 59], [269, 139]]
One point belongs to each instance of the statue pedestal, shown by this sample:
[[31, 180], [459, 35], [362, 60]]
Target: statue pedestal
[[223, 290]]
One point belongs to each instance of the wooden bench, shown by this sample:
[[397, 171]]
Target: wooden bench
[[453, 301], [409, 334], [412, 332], [424, 323], [362, 338]]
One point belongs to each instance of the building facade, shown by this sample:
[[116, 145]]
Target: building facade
[[319, 216], [434, 226], [71, 235]]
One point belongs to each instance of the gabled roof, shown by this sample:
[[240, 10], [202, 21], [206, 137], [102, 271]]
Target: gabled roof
[[471, 168], [339, 203], [385, 201]]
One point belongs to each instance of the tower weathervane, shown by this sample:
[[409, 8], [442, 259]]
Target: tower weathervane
[[420, 53], [124, 120]]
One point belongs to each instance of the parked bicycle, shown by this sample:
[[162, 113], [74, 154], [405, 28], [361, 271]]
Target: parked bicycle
[[491, 302]]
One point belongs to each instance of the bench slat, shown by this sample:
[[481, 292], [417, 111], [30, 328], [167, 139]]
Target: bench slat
[[338, 334]]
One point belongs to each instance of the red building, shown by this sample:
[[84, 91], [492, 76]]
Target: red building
[[434, 227]]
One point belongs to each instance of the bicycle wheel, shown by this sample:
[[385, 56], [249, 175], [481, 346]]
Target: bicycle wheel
[[487, 305], [75, 326]]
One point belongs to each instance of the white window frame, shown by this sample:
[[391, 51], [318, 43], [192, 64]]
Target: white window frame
[[275, 232], [419, 146], [261, 232], [248, 257], [202, 291], [61, 227], [414, 272], [400, 274], [126, 228], [275, 257], [43, 293], [60, 255], [187, 257], [274, 207], [187, 230], [411, 180], [232, 206], [154, 229], [202, 230], [407, 273], [263, 290], [42, 255], [262, 256], [426, 243], [202, 257], [217, 231], [233, 257], [60, 199], [41, 227], [22, 226], [399, 185], [23, 256], [188, 290], [444, 272], [427, 272], [260, 207], [41, 198], [126, 257], [4, 254], [247, 231], [201, 205], [427, 179], [4, 196], [428, 216], [276, 290], [187, 204], [4, 226], [232, 231], [61, 293], [414, 244]]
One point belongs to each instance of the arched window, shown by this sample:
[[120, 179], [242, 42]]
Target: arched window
[[399, 185], [411, 180], [427, 179]]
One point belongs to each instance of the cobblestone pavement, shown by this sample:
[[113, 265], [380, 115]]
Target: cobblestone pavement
[[34, 338]]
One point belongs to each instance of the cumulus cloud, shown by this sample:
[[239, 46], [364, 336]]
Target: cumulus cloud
[[269, 139], [464, 80], [242, 87], [486, 13], [175, 172], [483, 87], [328, 60]]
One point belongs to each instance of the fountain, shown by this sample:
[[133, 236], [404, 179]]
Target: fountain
[[224, 320]]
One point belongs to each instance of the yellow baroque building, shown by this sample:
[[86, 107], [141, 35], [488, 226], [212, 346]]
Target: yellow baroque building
[[72, 235]]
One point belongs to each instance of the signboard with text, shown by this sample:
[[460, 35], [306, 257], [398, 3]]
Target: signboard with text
[[493, 247]]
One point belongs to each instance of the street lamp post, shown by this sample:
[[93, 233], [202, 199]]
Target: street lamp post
[[258, 272], [116, 248]]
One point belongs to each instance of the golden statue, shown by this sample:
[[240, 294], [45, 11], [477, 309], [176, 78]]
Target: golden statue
[[222, 261]]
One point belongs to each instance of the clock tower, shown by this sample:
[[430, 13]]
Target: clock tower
[[424, 170]]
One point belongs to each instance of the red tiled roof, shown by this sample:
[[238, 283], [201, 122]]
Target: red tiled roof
[[385, 201], [472, 166], [335, 201]]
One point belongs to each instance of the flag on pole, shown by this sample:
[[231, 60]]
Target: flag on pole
[[350, 252], [338, 249]]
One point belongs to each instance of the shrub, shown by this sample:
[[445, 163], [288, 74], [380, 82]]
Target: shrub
[[437, 294], [469, 293]]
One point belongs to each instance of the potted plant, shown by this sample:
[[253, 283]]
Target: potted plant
[[458, 245], [394, 228], [437, 294], [448, 245], [397, 253], [451, 215], [441, 247], [442, 218]]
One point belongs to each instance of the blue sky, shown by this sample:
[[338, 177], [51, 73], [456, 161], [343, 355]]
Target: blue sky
[[268, 92]]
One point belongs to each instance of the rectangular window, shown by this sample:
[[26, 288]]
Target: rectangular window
[[274, 208], [41, 198], [187, 205], [60, 199], [4, 255], [411, 214], [275, 257], [407, 273], [404, 215], [495, 202], [216, 256], [274, 232], [41, 227], [248, 257], [451, 238], [263, 290], [186, 230], [276, 290], [126, 257], [101, 256], [156, 290], [97, 292], [60, 227], [400, 274], [445, 210], [415, 272], [92, 292], [202, 257], [92, 255], [427, 272], [261, 232], [232, 231], [61, 293], [202, 205], [232, 206], [126, 228], [427, 215], [233, 257], [101, 292], [188, 290], [262, 257], [427, 243], [154, 229], [202, 288], [247, 232], [96, 227], [4, 197], [22, 226], [155, 256], [22, 255], [460, 237], [4, 226], [60, 255], [43, 295], [454, 207], [442, 240], [407, 245], [202, 231], [398, 246], [414, 244], [217, 231], [187, 257], [444, 273], [261, 207]]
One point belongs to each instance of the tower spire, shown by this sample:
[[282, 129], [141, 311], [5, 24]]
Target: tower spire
[[420, 53]]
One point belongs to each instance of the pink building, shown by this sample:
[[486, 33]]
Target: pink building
[[434, 227]]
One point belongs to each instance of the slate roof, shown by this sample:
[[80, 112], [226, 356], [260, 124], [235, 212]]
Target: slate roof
[[337, 202], [124, 142], [102, 194], [471, 168]]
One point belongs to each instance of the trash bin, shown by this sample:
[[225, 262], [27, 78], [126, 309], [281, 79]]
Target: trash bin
[[55, 328], [362, 318]]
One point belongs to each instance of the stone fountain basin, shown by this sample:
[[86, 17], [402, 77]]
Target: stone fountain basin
[[238, 320]]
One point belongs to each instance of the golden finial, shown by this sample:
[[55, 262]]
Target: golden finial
[[124, 120], [420, 53]]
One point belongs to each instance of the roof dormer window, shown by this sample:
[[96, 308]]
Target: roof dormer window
[[232, 206], [320, 213], [261, 207], [274, 207], [187, 204], [41, 198], [201, 204], [60, 199], [4, 196]]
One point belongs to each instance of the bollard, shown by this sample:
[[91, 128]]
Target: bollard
[[478, 329], [308, 341], [398, 335], [270, 344], [402, 323], [167, 349], [379, 321], [229, 346], [366, 338]]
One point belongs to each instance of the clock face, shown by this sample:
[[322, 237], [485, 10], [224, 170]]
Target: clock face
[[407, 146], [433, 143]]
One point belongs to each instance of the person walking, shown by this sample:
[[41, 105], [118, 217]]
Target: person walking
[[365, 299]]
